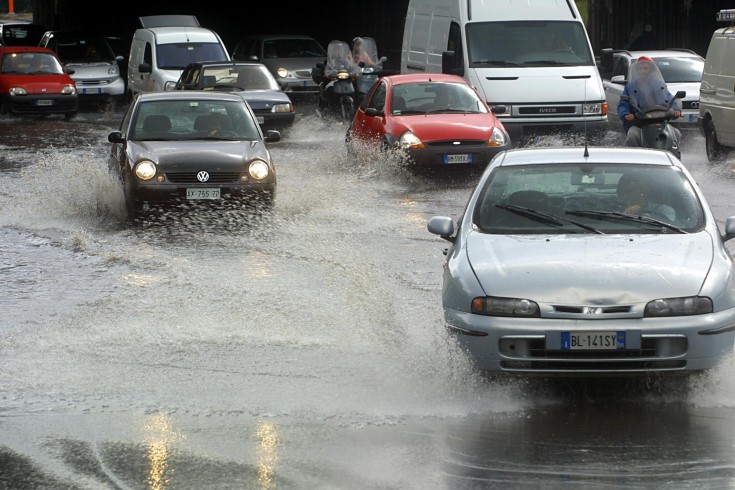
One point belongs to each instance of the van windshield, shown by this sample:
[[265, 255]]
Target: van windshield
[[177, 56], [528, 43]]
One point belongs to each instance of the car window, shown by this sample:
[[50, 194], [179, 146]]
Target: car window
[[587, 195], [193, 119], [84, 50], [621, 66], [292, 48], [29, 63], [377, 100]]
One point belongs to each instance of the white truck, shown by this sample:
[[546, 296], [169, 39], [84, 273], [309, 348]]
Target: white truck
[[533, 57]]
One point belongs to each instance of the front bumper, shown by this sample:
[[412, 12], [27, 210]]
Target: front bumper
[[437, 154], [41, 104], [531, 346]]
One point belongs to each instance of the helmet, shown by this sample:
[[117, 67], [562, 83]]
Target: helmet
[[645, 58], [357, 40]]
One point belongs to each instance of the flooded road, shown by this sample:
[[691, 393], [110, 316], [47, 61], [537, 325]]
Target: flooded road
[[218, 350]]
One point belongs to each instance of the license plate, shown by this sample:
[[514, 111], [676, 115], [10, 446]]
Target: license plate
[[44, 102], [206, 193], [592, 340], [458, 158], [261, 119], [90, 90]]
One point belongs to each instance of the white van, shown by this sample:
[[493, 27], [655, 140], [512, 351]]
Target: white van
[[162, 48], [532, 56], [717, 91]]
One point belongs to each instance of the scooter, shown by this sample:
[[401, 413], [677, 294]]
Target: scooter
[[336, 78], [656, 130]]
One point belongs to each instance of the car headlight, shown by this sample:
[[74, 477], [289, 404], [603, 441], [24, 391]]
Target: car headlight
[[18, 91], [495, 306], [498, 138], [113, 69], [282, 72], [145, 170], [282, 108], [409, 140], [593, 108], [258, 169], [692, 305], [69, 90]]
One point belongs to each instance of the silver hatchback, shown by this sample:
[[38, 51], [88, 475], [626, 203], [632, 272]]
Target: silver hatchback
[[607, 261]]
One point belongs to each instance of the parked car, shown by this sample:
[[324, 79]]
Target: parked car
[[96, 70], [192, 146], [252, 81], [290, 59], [607, 261], [33, 81], [21, 33], [681, 69], [433, 119], [716, 119]]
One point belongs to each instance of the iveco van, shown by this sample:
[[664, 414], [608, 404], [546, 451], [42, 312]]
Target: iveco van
[[717, 90], [533, 57], [164, 45]]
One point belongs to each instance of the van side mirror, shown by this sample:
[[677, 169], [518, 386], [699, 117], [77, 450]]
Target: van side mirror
[[145, 68], [449, 64], [680, 94], [606, 61]]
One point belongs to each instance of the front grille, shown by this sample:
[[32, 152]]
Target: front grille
[[690, 104], [457, 143], [191, 178], [83, 83], [546, 110]]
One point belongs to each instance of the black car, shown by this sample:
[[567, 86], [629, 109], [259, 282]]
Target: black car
[[193, 147], [252, 81], [21, 33]]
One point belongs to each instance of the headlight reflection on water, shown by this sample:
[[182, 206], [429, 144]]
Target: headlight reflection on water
[[267, 436], [160, 435]]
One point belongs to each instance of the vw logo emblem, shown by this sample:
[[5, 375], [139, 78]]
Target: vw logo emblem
[[203, 176], [695, 104]]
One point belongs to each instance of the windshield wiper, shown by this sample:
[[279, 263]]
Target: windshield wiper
[[544, 62], [628, 217], [408, 112], [545, 217]]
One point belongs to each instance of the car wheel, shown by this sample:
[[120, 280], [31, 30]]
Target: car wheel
[[69, 116], [132, 205], [715, 151]]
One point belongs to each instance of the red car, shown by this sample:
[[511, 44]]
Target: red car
[[33, 81], [435, 119]]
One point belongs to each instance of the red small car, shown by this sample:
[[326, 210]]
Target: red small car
[[435, 119], [33, 81]]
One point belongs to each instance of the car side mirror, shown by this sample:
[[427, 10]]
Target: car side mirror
[[619, 79], [498, 109], [116, 137], [272, 136], [145, 68], [169, 86], [69, 71], [373, 112], [681, 94], [729, 228]]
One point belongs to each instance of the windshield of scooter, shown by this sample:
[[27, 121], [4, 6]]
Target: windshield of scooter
[[366, 50], [339, 58], [646, 86]]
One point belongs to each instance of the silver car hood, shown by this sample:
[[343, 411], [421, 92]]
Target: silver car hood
[[602, 269]]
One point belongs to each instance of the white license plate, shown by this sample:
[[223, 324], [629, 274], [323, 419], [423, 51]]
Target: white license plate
[[44, 102], [261, 119], [458, 158], [90, 90], [204, 193], [592, 340]]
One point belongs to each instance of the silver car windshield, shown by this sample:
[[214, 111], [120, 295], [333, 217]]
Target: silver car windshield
[[548, 199], [193, 120]]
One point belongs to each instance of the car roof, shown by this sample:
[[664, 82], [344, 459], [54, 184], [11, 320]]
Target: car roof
[[189, 95], [31, 49], [278, 36], [76, 34], [204, 64], [661, 53], [424, 77], [596, 155]]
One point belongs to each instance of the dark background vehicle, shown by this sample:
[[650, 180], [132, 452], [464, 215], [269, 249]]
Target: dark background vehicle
[[21, 33], [253, 81]]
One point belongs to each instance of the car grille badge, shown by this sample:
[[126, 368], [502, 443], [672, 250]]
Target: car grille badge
[[203, 176], [591, 310]]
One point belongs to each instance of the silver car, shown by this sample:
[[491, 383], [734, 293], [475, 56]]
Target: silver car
[[568, 261]]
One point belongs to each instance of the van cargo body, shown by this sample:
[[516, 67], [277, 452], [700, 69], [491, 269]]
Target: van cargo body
[[532, 56]]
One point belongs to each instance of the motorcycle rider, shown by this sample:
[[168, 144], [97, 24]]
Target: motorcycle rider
[[646, 87], [360, 54], [339, 60]]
